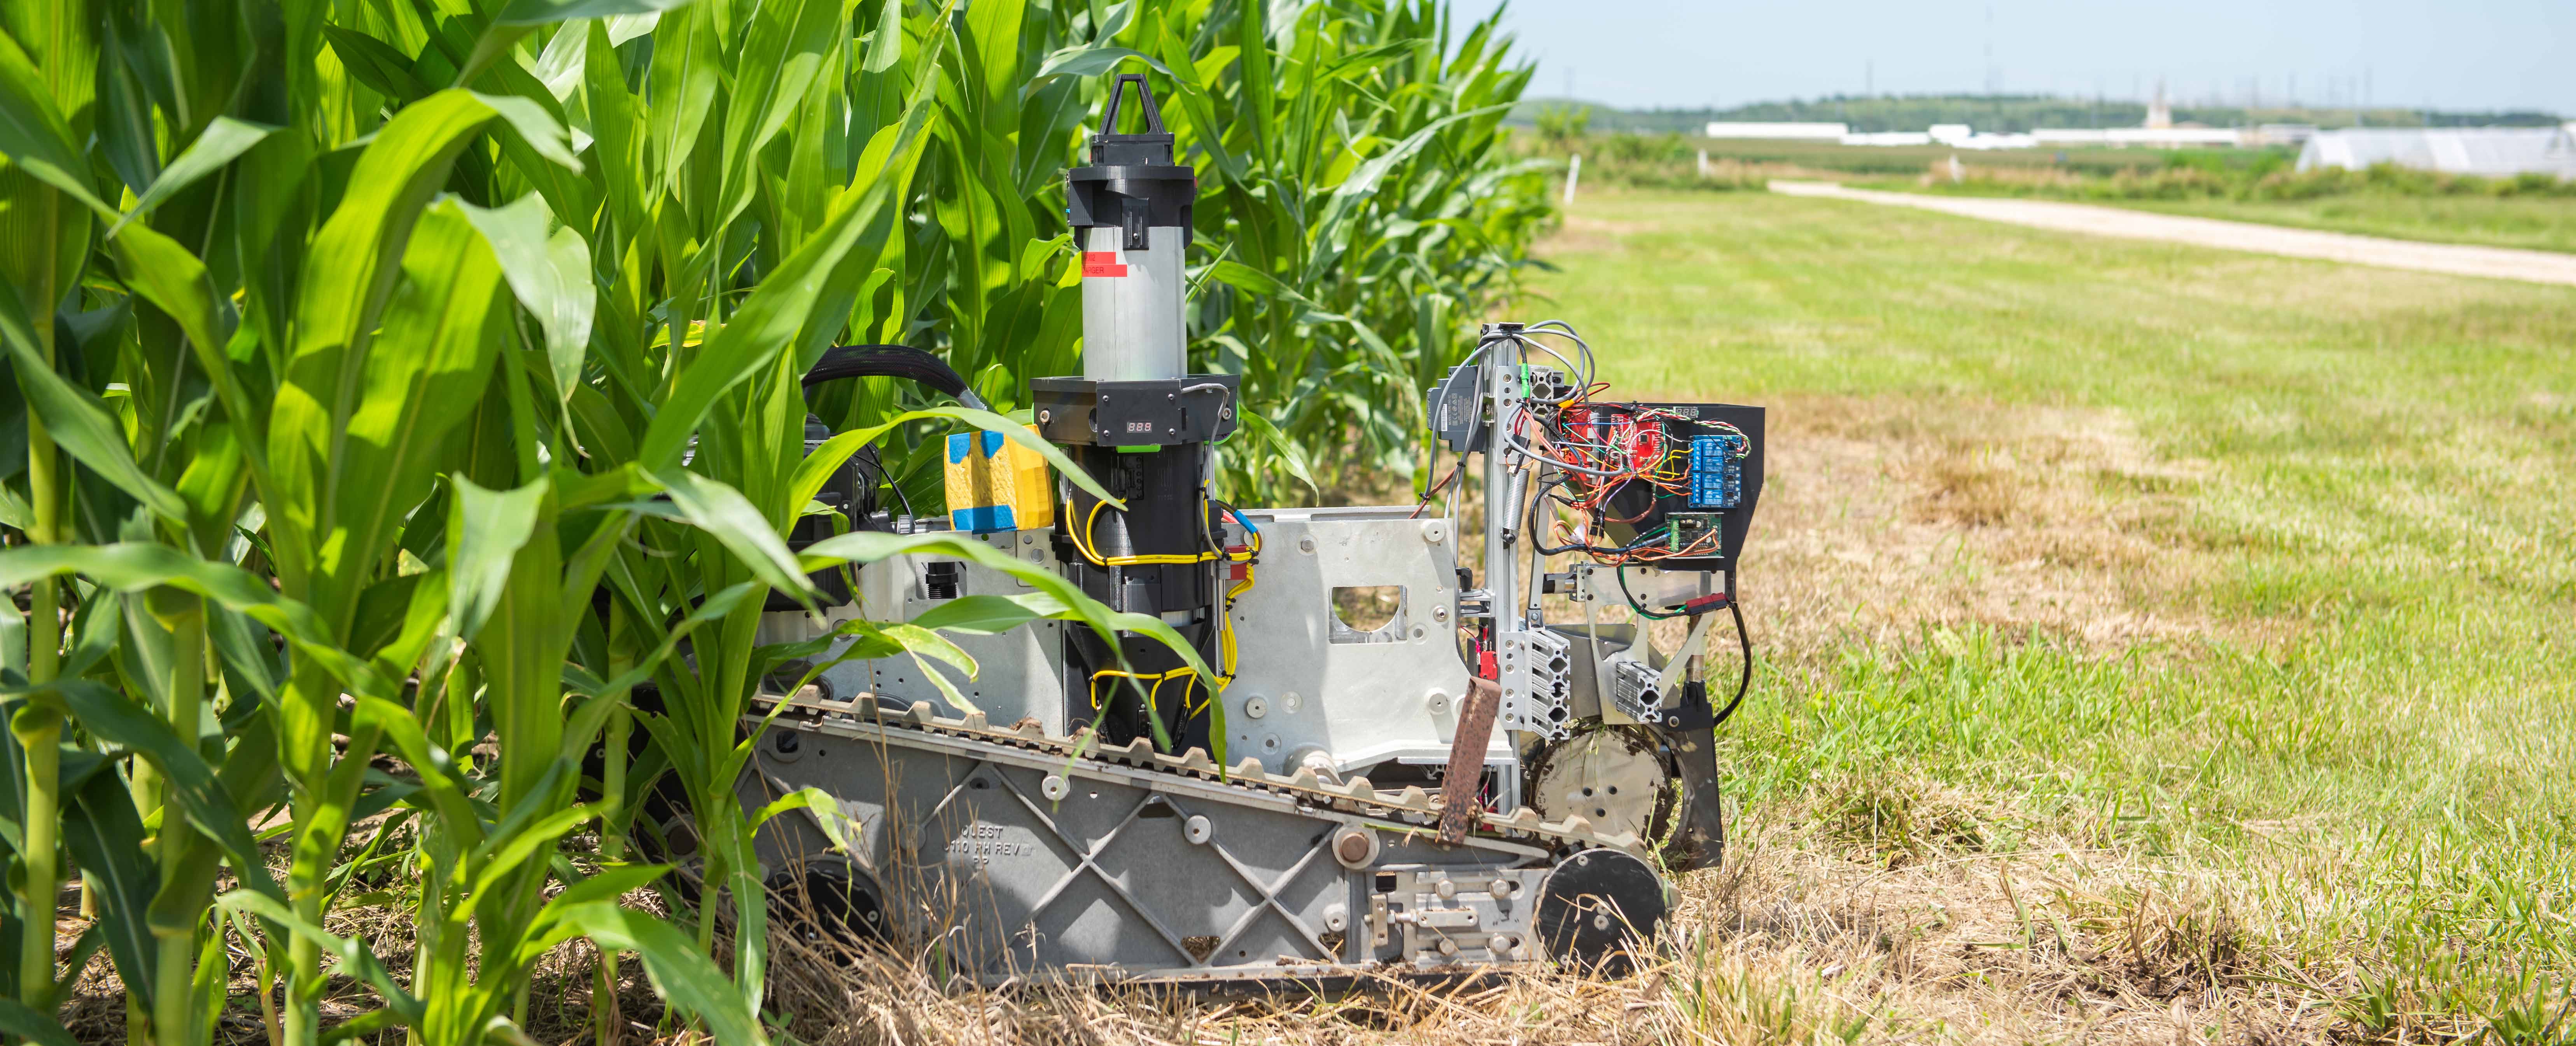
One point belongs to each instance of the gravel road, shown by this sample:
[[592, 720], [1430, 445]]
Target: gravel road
[[2502, 263]]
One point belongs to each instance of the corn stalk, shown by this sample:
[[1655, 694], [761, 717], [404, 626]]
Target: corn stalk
[[395, 380]]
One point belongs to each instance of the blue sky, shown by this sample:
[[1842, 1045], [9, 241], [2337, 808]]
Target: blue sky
[[2467, 54]]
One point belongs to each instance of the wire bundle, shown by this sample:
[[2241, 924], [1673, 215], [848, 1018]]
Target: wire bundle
[[1604, 450]]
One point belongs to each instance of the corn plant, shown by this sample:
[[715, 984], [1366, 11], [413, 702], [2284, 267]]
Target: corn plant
[[402, 381]]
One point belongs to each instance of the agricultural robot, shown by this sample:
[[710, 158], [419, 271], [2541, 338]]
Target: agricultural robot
[[1478, 776]]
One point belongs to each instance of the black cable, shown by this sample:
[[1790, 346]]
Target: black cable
[[1745, 640], [891, 361], [883, 478], [899, 495], [1644, 540], [1622, 573]]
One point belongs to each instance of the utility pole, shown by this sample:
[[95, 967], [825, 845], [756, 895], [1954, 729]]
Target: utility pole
[[1994, 77]]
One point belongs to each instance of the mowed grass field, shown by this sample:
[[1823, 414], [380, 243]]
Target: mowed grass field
[[2534, 223], [2540, 223], [2156, 644]]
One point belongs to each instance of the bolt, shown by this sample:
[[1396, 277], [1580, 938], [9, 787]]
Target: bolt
[[1500, 888], [1353, 847], [1045, 416], [1447, 888]]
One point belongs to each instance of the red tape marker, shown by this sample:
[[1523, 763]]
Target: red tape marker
[[1102, 263]]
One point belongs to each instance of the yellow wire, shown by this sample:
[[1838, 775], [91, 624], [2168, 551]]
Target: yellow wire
[[1153, 694], [1082, 543], [1225, 628], [1225, 619]]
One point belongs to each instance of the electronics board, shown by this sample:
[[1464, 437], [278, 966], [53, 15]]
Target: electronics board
[[1669, 485]]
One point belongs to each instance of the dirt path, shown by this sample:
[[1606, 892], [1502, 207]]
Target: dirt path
[[2495, 262]]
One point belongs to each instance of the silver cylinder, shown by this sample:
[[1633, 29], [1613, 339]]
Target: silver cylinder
[[1131, 306]]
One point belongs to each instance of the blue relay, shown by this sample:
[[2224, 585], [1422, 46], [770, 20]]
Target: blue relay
[[1717, 470]]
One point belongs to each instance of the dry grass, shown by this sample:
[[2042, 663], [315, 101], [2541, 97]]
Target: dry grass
[[1809, 934], [1882, 518]]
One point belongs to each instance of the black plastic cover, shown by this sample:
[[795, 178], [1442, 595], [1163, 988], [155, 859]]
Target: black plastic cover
[[1456, 407], [1134, 181], [1079, 411]]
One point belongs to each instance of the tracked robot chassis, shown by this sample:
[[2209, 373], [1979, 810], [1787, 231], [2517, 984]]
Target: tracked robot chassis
[[1455, 785]]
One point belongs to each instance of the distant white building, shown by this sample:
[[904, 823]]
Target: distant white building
[[1812, 132], [2142, 137], [2281, 134], [1888, 138], [1997, 140], [2488, 151], [1949, 133]]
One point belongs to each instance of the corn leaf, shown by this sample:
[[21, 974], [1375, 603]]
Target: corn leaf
[[219, 144], [678, 970], [79, 423], [550, 274]]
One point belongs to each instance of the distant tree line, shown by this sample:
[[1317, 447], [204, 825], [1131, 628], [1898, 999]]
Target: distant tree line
[[2006, 113]]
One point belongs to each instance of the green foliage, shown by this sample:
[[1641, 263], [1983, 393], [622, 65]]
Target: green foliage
[[1561, 127], [361, 353]]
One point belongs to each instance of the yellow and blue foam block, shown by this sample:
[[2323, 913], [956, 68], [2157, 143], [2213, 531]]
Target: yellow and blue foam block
[[995, 484]]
